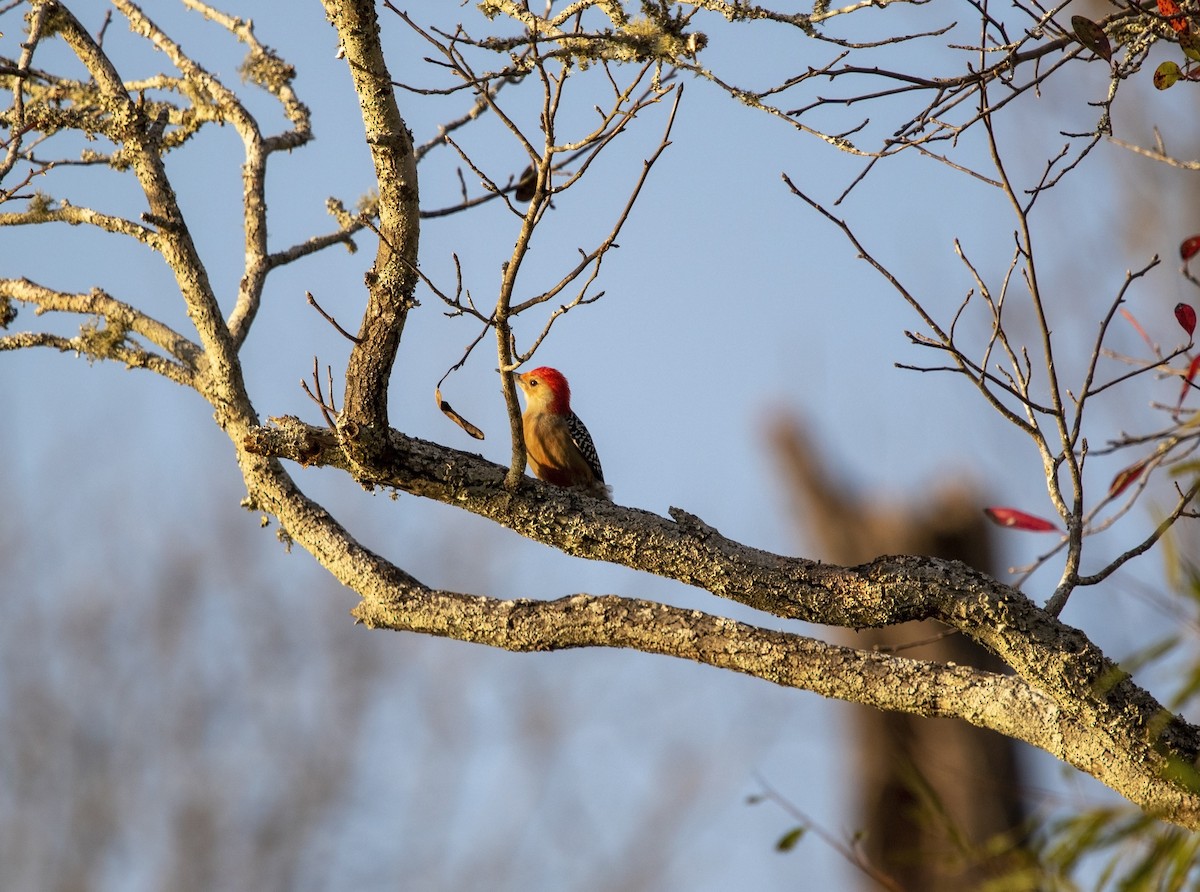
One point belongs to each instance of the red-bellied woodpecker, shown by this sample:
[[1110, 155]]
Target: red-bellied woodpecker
[[558, 446]]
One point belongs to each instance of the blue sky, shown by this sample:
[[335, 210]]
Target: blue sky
[[728, 301]]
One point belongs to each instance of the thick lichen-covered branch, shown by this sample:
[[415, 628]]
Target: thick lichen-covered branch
[[1088, 690], [1003, 703], [392, 280]]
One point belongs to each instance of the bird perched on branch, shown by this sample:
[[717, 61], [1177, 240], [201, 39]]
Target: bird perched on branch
[[559, 448]]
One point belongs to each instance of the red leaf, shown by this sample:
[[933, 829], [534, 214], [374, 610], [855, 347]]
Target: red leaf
[[1170, 10], [1186, 317], [1187, 379], [1019, 520], [1189, 248], [1121, 482]]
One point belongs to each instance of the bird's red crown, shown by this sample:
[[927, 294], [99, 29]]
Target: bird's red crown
[[553, 379]]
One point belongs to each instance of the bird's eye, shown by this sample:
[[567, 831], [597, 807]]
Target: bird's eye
[[534, 382]]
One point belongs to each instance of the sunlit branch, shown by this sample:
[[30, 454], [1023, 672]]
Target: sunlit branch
[[42, 211]]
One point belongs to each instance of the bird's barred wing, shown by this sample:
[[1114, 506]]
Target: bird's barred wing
[[583, 442]]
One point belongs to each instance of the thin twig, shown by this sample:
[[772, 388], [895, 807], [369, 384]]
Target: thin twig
[[312, 302]]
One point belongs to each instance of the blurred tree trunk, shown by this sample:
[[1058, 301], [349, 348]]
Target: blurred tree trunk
[[939, 799]]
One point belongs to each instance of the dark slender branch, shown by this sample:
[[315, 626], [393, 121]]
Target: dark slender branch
[[312, 302]]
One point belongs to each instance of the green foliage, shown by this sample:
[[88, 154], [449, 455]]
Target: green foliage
[[1140, 854], [789, 840]]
